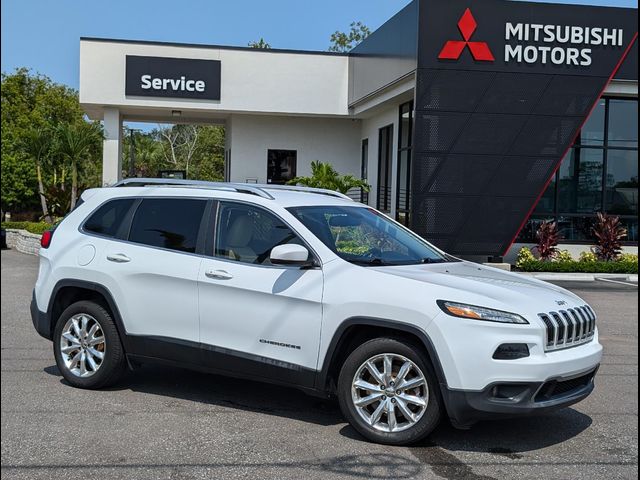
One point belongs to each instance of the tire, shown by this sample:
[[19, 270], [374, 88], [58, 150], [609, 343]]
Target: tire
[[393, 427], [79, 371]]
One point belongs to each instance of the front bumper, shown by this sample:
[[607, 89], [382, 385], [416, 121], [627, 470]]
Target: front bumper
[[41, 321], [513, 399]]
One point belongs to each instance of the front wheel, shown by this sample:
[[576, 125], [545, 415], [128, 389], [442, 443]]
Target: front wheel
[[388, 392], [87, 347]]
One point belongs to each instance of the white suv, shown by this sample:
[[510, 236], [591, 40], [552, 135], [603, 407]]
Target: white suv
[[307, 288]]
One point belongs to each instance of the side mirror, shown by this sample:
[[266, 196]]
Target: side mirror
[[290, 254]]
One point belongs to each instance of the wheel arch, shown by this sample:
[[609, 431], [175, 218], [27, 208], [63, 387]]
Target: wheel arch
[[355, 330], [69, 291]]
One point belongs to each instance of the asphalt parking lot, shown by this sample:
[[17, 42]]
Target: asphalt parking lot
[[171, 423]]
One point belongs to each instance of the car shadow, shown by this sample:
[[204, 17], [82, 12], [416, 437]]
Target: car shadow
[[508, 438], [211, 389]]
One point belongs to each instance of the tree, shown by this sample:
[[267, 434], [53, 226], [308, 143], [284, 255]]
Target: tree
[[30, 101], [37, 144], [323, 175], [197, 149], [259, 44], [75, 142], [343, 42]]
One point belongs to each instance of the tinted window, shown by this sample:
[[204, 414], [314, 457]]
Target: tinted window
[[108, 218], [580, 181], [168, 223], [248, 234], [623, 123]]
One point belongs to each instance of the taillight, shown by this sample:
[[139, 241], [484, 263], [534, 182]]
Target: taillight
[[45, 240]]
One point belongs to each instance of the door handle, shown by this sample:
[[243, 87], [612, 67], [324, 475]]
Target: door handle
[[218, 274], [118, 258]]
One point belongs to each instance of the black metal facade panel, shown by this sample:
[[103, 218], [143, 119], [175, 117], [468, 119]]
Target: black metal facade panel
[[488, 134]]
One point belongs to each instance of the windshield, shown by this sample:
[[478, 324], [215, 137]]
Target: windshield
[[366, 237]]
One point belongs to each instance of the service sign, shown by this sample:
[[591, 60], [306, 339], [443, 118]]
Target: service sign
[[172, 77], [519, 36]]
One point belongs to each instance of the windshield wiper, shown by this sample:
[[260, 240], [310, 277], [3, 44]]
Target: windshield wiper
[[375, 262], [432, 260]]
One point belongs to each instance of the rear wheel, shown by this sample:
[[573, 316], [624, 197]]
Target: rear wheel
[[87, 346], [388, 392]]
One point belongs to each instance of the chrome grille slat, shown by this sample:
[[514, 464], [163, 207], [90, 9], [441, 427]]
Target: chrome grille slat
[[568, 336], [570, 327], [576, 324], [560, 326]]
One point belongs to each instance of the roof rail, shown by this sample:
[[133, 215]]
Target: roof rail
[[297, 188], [250, 188], [174, 182]]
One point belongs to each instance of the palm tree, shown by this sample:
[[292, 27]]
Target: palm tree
[[74, 143], [323, 175], [37, 144]]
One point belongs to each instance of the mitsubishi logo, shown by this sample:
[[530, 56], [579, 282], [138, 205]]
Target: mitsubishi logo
[[454, 48]]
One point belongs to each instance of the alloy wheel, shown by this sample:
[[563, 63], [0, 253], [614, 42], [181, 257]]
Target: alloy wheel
[[390, 392], [82, 345]]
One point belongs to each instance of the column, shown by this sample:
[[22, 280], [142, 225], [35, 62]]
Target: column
[[112, 147]]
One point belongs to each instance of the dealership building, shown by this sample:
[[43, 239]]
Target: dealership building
[[472, 120]]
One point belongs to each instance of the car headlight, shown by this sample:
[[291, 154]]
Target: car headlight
[[480, 313]]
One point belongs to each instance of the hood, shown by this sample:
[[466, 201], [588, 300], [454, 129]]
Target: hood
[[475, 283]]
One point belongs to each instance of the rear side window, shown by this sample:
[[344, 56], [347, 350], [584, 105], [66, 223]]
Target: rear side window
[[168, 223], [108, 218]]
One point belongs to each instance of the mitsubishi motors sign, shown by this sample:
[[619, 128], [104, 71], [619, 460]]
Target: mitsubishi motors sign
[[502, 90], [503, 35]]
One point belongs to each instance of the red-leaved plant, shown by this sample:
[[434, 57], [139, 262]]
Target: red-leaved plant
[[548, 238], [609, 234]]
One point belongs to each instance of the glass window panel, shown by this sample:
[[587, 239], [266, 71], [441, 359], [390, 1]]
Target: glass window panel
[[547, 202], [247, 234], [623, 123], [281, 166], [385, 155], [168, 223], [108, 218], [631, 225], [592, 132], [528, 232], [575, 228], [580, 181], [404, 167], [622, 182], [405, 125]]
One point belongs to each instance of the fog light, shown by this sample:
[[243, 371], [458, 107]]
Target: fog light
[[511, 351]]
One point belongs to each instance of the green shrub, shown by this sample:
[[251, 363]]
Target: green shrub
[[628, 257], [587, 257], [619, 266], [525, 255], [31, 227], [563, 256]]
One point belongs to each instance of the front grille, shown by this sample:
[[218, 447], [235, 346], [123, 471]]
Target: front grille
[[560, 388], [567, 328]]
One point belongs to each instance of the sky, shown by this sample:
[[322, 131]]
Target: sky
[[43, 35]]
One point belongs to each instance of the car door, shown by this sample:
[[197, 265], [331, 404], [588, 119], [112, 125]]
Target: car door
[[258, 318], [152, 272]]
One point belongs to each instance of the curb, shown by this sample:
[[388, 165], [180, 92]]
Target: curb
[[582, 277]]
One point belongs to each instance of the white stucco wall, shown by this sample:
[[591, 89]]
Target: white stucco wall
[[332, 140], [251, 81]]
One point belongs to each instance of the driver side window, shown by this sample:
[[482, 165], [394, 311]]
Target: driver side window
[[247, 234]]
